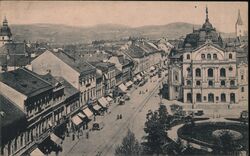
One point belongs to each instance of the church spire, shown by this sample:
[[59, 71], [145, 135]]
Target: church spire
[[239, 20]]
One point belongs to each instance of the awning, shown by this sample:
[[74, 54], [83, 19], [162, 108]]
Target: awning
[[109, 99], [76, 120], [103, 102], [122, 87], [87, 112], [129, 83], [138, 77], [97, 107], [55, 139], [81, 115], [37, 152]]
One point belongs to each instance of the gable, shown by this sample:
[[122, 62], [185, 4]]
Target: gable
[[208, 49]]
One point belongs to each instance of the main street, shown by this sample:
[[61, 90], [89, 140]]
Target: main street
[[134, 113]]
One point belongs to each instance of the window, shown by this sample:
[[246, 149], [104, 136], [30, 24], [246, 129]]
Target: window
[[198, 97], [222, 83], [222, 72], [189, 71], [242, 89], [210, 97], [210, 83], [198, 83], [176, 77], [210, 72], [223, 97], [242, 77], [189, 97], [209, 56], [198, 72], [188, 82], [230, 56], [215, 56], [203, 56], [230, 69], [232, 83], [188, 56], [232, 98]]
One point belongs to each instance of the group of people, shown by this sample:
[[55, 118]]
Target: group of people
[[119, 116], [142, 92]]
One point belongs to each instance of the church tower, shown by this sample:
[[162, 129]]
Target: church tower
[[5, 33], [239, 26]]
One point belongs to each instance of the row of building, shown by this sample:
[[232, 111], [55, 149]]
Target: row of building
[[43, 97]]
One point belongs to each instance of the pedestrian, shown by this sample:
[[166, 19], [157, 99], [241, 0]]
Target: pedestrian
[[87, 135], [120, 116], [73, 137], [94, 118]]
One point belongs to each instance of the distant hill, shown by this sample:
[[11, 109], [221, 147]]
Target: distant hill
[[68, 34]]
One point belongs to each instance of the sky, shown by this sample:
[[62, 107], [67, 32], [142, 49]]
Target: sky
[[222, 15]]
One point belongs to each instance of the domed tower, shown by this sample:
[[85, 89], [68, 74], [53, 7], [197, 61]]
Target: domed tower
[[239, 26], [5, 33]]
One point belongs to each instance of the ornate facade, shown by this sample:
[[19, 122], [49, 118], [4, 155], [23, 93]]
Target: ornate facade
[[203, 72]]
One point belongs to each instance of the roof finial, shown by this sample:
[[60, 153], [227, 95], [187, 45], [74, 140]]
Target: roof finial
[[206, 13]]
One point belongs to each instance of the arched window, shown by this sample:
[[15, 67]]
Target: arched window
[[209, 56], [222, 83], [230, 56], [176, 77], [203, 56], [188, 56], [189, 97], [232, 98], [223, 97], [210, 72], [189, 71], [198, 83], [230, 69], [232, 83], [215, 56], [198, 97], [210, 97], [223, 72], [198, 72]]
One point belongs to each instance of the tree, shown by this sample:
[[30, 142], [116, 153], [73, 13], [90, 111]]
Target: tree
[[226, 145], [156, 133], [164, 118], [130, 146]]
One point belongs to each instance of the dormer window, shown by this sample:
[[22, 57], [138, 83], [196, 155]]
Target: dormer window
[[215, 56], [209, 56], [203, 56]]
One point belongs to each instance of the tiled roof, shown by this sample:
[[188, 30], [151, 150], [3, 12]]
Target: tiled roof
[[13, 120], [25, 81], [80, 66], [14, 54]]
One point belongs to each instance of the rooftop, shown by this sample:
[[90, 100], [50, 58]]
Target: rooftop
[[25, 82], [13, 120]]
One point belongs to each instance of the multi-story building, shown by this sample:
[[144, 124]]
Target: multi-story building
[[48, 105], [79, 74], [99, 84], [203, 71], [109, 71], [123, 64]]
